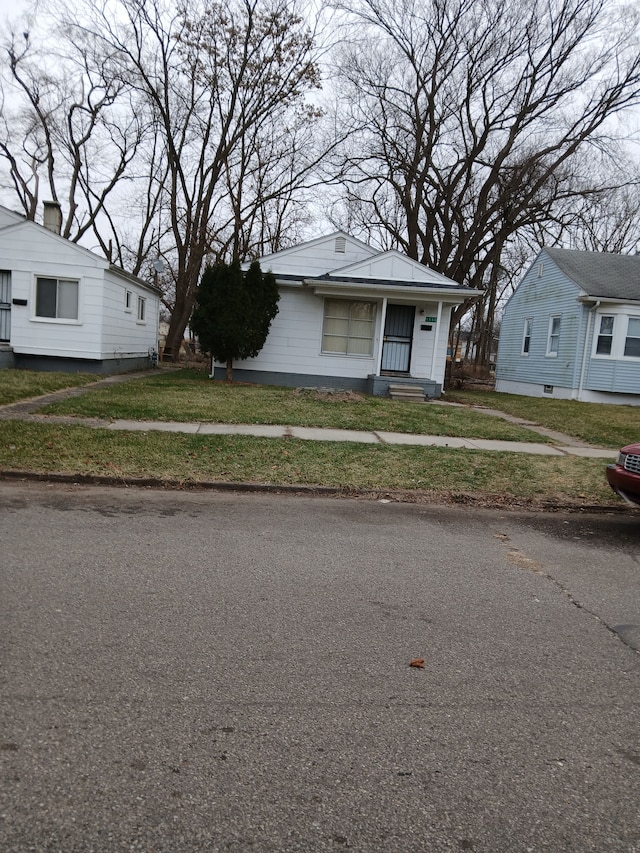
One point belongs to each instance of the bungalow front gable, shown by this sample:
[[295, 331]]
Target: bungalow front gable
[[352, 317]]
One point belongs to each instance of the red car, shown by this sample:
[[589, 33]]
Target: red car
[[624, 475]]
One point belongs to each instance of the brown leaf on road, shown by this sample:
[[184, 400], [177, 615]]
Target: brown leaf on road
[[418, 663]]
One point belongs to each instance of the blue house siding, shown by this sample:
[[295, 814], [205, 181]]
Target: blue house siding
[[613, 375], [579, 288], [539, 298]]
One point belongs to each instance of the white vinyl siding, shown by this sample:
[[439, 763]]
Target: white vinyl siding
[[84, 300], [348, 327]]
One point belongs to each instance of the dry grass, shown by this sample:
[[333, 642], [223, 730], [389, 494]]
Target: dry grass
[[22, 384], [48, 448]]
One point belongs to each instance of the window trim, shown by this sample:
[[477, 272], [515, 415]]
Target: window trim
[[598, 334], [627, 336], [526, 337], [141, 315], [128, 301], [551, 353], [619, 336], [348, 354], [40, 318]]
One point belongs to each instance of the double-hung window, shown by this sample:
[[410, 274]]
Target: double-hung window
[[526, 337], [141, 309], [604, 342], [348, 327], [553, 340], [57, 298], [632, 341]]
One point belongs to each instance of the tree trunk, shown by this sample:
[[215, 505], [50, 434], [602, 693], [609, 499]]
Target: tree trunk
[[229, 375]]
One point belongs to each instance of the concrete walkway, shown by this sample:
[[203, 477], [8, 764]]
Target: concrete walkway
[[362, 437], [562, 445]]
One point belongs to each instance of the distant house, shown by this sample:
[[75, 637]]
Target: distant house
[[571, 329], [63, 307], [352, 317]]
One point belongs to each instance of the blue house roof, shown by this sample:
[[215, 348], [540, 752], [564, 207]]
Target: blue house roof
[[600, 274]]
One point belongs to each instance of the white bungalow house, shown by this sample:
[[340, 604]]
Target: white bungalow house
[[571, 329], [62, 307], [353, 317]]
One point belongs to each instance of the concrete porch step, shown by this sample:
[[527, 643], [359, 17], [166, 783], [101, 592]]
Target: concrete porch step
[[407, 393]]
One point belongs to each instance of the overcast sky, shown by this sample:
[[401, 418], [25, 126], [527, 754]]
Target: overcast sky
[[10, 10]]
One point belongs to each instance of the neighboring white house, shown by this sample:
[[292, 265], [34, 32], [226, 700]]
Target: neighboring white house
[[571, 329], [352, 317], [63, 307]]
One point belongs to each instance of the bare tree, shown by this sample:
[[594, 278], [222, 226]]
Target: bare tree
[[214, 77], [68, 130], [476, 119]]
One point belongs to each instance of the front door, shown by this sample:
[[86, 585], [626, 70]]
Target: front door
[[5, 305], [398, 334]]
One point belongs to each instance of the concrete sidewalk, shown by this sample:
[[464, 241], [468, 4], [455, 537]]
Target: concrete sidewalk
[[562, 445], [362, 437]]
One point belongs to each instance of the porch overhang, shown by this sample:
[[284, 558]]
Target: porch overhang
[[392, 290]]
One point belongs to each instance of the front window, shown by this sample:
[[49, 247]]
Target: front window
[[141, 309], [632, 341], [348, 327], [57, 298], [604, 343], [526, 339], [553, 340]]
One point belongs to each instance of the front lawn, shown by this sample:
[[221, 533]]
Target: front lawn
[[595, 423], [188, 396], [22, 384], [54, 448]]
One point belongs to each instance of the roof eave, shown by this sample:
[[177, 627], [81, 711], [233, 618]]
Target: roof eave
[[459, 294], [134, 279], [586, 298]]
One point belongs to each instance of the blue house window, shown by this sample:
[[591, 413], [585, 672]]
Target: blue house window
[[604, 344], [632, 342], [553, 341], [526, 338]]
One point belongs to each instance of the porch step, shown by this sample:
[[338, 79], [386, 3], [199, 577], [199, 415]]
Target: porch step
[[407, 393]]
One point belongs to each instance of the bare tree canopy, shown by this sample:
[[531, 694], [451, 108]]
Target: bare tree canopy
[[223, 138], [475, 120], [464, 132], [214, 77], [69, 129]]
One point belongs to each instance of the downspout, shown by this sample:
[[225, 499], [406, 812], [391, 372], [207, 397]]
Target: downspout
[[383, 320], [435, 343], [584, 350]]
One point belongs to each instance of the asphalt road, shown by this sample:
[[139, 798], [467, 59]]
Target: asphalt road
[[198, 671]]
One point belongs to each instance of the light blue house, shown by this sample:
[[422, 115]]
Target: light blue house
[[571, 329]]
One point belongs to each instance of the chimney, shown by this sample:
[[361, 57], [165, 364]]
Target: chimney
[[52, 216]]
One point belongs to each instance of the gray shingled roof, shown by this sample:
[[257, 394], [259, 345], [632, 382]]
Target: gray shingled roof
[[600, 274]]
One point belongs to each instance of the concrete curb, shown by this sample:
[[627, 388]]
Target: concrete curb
[[392, 496]]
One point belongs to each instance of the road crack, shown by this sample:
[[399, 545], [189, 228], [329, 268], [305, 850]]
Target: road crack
[[522, 561]]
